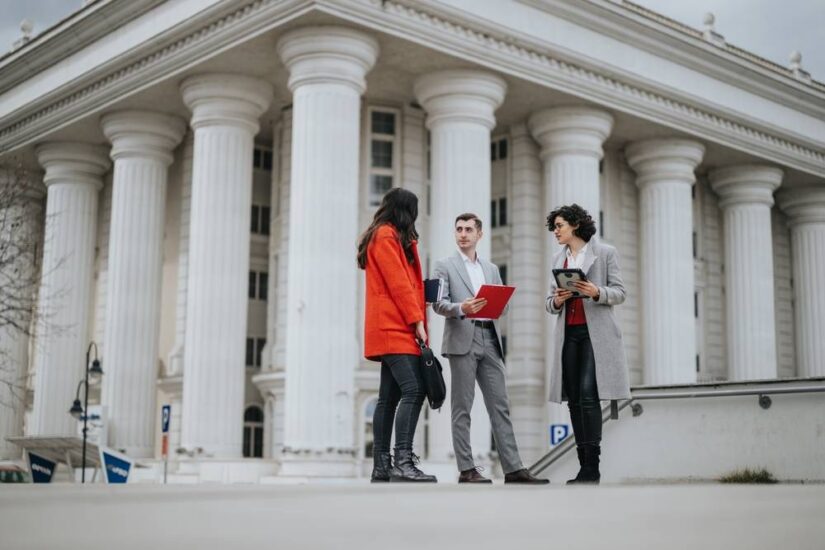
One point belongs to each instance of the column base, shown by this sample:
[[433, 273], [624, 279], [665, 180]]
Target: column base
[[307, 464]]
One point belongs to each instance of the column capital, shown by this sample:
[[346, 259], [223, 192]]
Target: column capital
[[143, 134], [671, 159], [460, 96], [745, 184], [572, 130], [226, 99], [328, 54], [73, 162], [803, 204]]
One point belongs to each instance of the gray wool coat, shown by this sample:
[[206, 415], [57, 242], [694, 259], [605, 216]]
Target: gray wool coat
[[601, 266]]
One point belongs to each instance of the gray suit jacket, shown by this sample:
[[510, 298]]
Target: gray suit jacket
[[458, 330]]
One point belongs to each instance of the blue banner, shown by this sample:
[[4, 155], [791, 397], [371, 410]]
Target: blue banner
[[41, 469], [166, 413], [116, 467]]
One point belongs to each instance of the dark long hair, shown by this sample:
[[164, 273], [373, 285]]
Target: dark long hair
[[398, 208]]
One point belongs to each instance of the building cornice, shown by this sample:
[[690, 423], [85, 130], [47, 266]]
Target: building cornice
[[425, 22], [58, 42], [627, 23]]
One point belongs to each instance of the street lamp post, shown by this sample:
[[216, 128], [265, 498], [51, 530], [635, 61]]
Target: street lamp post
[[77, 410]]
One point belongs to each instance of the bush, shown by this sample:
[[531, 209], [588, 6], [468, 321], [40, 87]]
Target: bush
[[748, 476]]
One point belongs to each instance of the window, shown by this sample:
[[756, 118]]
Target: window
[[383, 162], [253, 432], [260, 219], [498, 150], [254, 352], [258, 285], [262, 159], [498, 212]]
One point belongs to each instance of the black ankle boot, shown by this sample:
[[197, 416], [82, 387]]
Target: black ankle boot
[[381, 466], [405, 470], [580, 454], [590, 466]]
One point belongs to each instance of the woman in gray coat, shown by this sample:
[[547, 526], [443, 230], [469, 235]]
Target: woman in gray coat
[[589, 359]]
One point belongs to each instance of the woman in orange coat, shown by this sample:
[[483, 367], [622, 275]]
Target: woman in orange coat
[[395, 317]]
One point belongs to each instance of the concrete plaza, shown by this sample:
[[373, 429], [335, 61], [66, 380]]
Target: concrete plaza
[[357, 515]]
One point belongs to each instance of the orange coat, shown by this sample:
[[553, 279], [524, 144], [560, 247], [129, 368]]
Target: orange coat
[[394, 297]]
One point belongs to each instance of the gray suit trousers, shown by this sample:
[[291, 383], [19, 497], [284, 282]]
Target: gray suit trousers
[[485, 365]]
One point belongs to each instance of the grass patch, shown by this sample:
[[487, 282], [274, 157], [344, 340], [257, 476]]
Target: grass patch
[[748, 476]]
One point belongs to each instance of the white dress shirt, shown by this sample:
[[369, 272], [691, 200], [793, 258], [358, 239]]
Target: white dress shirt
[[578, 261], [476, 274]]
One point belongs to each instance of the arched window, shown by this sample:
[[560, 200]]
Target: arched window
[[369, 409], [253, 432]]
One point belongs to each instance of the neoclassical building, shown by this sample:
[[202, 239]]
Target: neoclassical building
[[203, 170]]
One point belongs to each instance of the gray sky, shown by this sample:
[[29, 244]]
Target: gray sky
[[769, 28]]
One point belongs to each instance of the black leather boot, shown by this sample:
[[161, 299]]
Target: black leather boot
[[580, 453], [405, 470], [381, 466], [589, 474]]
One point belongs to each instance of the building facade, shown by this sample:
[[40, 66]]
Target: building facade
[[204, 170]]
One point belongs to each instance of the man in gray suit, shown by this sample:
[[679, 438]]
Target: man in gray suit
[[474, 349]]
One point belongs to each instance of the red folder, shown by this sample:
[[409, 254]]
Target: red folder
[[497, 297]]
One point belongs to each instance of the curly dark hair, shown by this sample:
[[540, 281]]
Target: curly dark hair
[[575, 215]]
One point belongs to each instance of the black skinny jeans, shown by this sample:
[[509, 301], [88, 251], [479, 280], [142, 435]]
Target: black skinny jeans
[[401, 387], [579, 381]]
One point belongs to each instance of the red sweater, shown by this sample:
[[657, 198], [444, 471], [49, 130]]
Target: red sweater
[[394, 297]]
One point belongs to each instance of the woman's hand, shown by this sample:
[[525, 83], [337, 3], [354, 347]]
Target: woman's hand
[[587, 288], [561, 296], [420, 331]]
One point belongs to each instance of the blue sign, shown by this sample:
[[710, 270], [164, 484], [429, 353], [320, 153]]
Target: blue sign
[[116, 466], [166, 413], [42, 469], [558, 433]]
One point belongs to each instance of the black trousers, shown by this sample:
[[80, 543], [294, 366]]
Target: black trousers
[[400, 395], [579, 381]]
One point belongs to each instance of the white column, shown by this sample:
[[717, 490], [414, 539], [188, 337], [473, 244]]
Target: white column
[[805, 207], [664, 169], [571, 141], [282, 288], [460, 106], [327, 68], [526, 360], [414, 158], [142, 144], [20, 233], [225, 111], [73, 178], [746, 194]]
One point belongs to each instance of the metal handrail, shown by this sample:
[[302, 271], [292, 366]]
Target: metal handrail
[[556, 453]]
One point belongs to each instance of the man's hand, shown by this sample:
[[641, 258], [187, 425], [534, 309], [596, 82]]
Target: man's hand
[[561, 295], [420, 331], [473, 305], [587, 288]]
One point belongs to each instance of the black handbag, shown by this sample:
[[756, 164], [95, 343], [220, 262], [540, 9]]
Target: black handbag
[[433, 379]]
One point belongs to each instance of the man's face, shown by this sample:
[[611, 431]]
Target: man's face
[[466, 234]]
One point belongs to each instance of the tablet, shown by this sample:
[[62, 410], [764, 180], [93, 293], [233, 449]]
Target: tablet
[[566, 277]]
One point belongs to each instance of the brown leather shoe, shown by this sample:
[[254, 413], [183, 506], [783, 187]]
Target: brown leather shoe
[[472, 476], [525, 477]]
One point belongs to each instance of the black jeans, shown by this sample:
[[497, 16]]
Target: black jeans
[[402, 388], [579, 381]]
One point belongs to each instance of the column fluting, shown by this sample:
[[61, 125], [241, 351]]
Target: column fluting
[[746, 194], [73, 180], [665, 175], [142, 144], [805, 207], [460, 106], [327, 68], [225, 112]]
